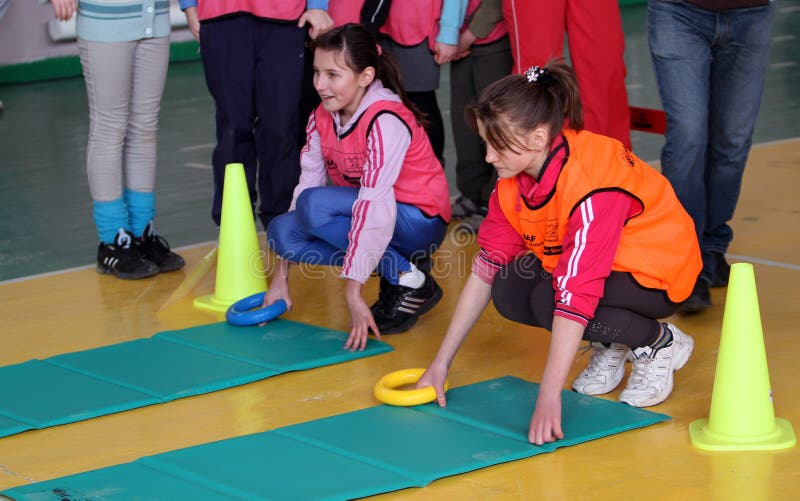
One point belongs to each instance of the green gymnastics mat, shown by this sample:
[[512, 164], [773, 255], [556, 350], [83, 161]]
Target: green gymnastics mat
[[357, 454], [173, 364]]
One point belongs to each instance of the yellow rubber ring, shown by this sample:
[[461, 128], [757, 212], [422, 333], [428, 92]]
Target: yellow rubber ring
[[385, 388]]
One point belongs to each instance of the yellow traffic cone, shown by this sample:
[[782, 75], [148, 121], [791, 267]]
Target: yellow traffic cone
[[240, 267], [742, 417]]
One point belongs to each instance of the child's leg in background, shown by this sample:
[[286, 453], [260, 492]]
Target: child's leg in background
[[228, 55], [279, 59], [468, 77], [428, 104], [108, 72], [150, 63], [596, 46], [536, 30]]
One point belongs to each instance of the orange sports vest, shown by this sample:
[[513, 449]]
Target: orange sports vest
[[658, 245], [421, 182]]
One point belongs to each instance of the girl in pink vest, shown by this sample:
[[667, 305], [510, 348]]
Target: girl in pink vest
[[388, 206]]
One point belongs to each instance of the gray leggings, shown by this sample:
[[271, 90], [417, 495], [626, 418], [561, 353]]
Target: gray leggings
[[124, 84], [627, 312]]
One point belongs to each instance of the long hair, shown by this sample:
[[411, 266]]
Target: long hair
[[517, 104], [360, 51]]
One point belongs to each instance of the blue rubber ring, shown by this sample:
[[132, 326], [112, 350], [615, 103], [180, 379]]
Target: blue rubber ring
[[241, 313]]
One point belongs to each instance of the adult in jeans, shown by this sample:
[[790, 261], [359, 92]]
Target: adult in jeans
[[710, 57]]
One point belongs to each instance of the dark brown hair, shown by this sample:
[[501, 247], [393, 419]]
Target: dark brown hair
[[360, 50], [514, 105]]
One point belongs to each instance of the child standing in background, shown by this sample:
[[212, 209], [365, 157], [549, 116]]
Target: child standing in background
[[484, 56], [389, 203], [124, 51], [582, 238], [422, 35], [253, 53]]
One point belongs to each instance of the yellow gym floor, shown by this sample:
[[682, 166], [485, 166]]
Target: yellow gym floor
[[79, 309]]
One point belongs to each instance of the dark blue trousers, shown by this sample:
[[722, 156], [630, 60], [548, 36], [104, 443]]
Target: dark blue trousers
[[254, 71]]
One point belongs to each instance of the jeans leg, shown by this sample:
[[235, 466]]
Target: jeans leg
[[737, 76], [287, 237], [324, 216], [680, 44], [415, 236], [316, 232]]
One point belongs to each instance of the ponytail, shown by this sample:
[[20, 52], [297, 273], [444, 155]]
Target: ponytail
[[545, 96], [360, 50]]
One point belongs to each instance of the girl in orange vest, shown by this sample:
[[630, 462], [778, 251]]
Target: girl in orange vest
[[583, 239]]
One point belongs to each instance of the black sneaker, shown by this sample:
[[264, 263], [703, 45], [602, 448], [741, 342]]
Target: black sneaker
[[398, 308], [123, 258], [156, 249], [722, 271], [699, 300]]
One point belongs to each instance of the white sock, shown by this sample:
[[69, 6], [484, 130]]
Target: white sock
[[412, 278]]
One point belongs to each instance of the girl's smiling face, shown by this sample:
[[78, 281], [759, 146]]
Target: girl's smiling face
[[340, 88]]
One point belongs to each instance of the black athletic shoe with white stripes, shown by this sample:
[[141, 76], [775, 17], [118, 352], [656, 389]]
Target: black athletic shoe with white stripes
[[123, 258], [157, 250], [398, 308]]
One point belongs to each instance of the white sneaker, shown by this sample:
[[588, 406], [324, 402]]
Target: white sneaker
[[651, 377], [605, 371]]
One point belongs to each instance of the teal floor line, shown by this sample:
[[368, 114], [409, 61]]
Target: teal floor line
[[170, 365], [357, 454]]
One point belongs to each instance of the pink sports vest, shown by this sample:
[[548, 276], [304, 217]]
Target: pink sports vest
[[345, 11], [421, 182], [288, 10]]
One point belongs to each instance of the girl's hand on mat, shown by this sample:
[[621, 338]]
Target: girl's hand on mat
[[435, 376], [361, 319], [64, 9], [546, 420]]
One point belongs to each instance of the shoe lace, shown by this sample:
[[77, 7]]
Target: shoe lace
[[387, 297], [600, 356], [129, 253], [156, 244], [642, 372]]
